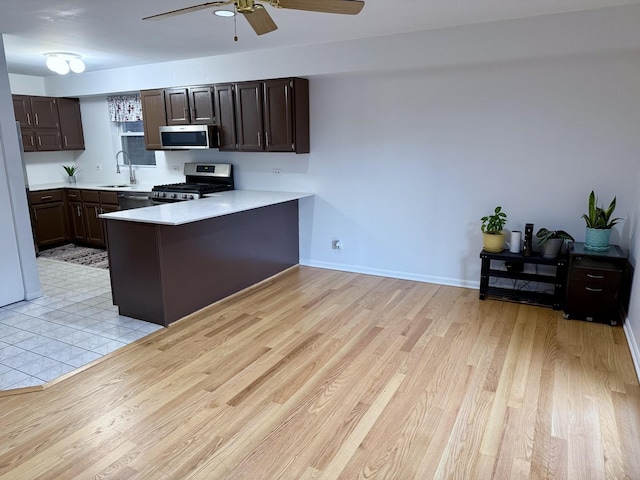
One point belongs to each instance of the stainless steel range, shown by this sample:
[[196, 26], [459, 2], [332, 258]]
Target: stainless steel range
[[201, 179]]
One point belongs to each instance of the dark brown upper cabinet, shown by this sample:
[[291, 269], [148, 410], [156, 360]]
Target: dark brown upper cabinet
[[226, 116], [259, 116], [154, 116], [273, 115], [45, 122], [249, 126], [70, 124], [189, 106], [45, 112]]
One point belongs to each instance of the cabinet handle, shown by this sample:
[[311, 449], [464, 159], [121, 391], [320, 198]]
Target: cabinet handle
[[66, 144], [40, 141], [31, 140], [186, 113], [72, 195], [28, 118], [594, 276], [266, 139], [95, 209], [36, 117], [78, 210], [259, 139], [193, 114], [593, 289], [46, 197]]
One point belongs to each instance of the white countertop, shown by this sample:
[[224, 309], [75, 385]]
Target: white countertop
[[120, 187], [213, 205]]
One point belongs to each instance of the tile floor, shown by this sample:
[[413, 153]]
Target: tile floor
[[73, 324]]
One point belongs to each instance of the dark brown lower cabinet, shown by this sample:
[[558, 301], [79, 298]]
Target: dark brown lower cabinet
[[48, 217], [597, 285], [76, 222], [85, 208]]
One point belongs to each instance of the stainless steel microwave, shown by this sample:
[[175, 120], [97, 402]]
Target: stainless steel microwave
[[187, 137]]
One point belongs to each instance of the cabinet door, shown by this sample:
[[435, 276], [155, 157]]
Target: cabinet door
[[176, 102], [249, 126], [49, 223], [278, 115], [201, 105], [76, 222], [28, 139], [70, 124], [93, 223], [45, 112], [154, 116], [225, 116], [47, 140], [22, 110]]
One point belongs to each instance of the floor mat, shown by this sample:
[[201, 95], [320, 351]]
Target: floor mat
[[90, 257]]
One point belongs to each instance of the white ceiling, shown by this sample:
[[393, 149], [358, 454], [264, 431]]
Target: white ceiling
[[111, 34]]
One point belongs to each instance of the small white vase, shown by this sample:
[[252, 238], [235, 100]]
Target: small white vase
[[71, 179]]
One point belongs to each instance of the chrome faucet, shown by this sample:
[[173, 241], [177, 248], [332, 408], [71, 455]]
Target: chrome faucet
[[132, 175]]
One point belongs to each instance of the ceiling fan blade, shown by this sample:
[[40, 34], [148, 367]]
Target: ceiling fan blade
[[181, 11], [347, 7], [260, 20]]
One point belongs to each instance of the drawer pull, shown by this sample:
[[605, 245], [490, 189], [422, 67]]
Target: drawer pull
[[46, 197], [593, 289], [590, 275]]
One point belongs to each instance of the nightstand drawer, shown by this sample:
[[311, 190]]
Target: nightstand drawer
[[595, 272]]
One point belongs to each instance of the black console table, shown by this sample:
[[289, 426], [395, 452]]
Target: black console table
[[598, 284], [516, 260]]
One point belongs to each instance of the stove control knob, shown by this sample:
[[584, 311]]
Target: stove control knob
[[173, 195], [164, 194], [190, 197], [184, 196]]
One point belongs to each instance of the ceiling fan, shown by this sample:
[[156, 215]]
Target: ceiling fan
[[259, 18]]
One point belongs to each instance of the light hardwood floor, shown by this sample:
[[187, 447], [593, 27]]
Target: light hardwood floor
[[319, 374]]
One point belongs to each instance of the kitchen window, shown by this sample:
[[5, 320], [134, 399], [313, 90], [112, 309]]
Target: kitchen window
[[131, 136]]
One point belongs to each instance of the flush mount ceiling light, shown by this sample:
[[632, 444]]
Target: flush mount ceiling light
[[224, 13], [62, 62]]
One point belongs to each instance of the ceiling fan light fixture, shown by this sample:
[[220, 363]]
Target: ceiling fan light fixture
[[224, 13], [62, 63]]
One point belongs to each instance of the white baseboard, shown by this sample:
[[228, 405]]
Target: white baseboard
[[453, 282], [633, 347]]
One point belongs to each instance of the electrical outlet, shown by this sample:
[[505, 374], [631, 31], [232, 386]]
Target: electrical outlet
[[276, 171], [176, 167], [98, 167]]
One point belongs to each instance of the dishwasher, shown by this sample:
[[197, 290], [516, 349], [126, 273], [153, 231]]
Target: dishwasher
[[129, 200]]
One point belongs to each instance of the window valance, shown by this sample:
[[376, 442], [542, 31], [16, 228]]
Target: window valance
[[125, 108]]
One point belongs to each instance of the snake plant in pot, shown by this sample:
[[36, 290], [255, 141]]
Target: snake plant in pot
[[492, 234], [551, 241], [599, 224], [71, 172]]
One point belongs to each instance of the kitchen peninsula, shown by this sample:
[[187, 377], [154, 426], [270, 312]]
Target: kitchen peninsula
[[170, 260]]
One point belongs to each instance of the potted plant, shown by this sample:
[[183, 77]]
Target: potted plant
[[71, 172], [551, 241], [599, 224], [492, 234]]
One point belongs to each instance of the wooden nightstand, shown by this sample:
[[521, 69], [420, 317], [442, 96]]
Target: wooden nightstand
[[597, 284]]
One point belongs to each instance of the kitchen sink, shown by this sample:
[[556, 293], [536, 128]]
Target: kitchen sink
[[115, 186]]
